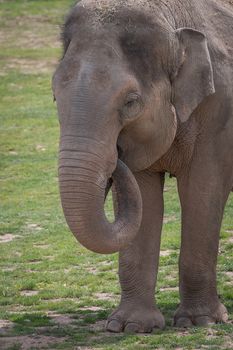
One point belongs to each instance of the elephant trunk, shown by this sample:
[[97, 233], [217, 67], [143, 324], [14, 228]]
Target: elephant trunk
[[83, 183]]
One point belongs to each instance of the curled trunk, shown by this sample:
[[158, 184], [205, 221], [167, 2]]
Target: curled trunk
[[83, 188]]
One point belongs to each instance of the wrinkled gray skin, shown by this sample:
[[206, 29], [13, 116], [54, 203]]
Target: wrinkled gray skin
[[144, 88]]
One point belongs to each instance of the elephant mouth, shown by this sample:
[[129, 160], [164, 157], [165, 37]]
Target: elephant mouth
[[109, 184], [110, 180], [108, 187]]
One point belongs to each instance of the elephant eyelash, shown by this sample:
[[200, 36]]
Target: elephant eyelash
[[132, 107]]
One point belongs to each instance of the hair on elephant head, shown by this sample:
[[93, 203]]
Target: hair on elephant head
[[125, 78]]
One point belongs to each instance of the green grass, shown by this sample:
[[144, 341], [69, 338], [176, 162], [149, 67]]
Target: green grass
[[46, 277]]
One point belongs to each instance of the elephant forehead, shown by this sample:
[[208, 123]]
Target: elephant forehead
[[103, 6], [110, 19], [108, 11]]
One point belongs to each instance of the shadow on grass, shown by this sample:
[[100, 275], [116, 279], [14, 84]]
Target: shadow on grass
[[86, 328], [82, 328]]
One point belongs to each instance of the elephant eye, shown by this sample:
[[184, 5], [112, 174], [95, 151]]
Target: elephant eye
[[132, 106]]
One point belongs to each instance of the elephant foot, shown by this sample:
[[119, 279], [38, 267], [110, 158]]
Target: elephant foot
[[135, 319], [200, 316]]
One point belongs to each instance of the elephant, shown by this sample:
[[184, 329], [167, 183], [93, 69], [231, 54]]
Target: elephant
[[144, 88]]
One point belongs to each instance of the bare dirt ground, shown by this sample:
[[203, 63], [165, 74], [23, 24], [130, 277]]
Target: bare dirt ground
[[37, 34], [29, 66], [7, 237], [40, 341], [30, 342]]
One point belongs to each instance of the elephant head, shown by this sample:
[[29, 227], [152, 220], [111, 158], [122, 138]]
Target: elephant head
[[120, 90]]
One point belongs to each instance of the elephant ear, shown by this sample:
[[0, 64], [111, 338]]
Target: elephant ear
[[193, 80]]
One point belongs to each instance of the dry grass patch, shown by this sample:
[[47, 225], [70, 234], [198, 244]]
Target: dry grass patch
[[166, 252], [169, 218], [30, 66], [169, 289], [29, 293], [60, 319], [229, 274], [98, 326], [34, 227], [27, 32], [92, 270], [7, 237], [91, 308], [105, 296], [5, 327]]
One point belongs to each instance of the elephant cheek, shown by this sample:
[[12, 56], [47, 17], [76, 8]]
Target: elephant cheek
[[145, 143]]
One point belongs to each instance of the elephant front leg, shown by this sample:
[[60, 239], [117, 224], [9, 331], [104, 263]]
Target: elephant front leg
[[138, 265], [203, 195]]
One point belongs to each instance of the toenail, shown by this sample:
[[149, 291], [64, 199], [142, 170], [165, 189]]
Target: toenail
[[114, 326], [132, 328]]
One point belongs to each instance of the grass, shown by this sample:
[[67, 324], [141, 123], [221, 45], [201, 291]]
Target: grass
[[52, 291]]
